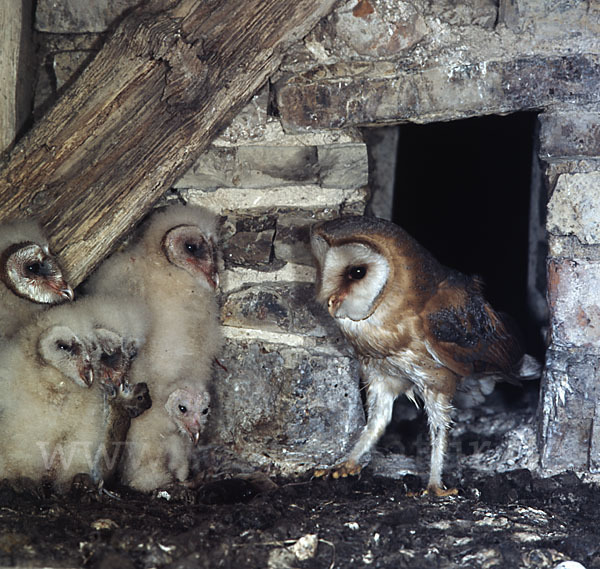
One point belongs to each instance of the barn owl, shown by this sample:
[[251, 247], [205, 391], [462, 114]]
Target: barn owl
[[30, 278], [171, 266], [160, 443], [52, 413], [417, 327]]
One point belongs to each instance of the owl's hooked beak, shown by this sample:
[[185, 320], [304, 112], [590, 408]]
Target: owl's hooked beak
[[61, 288], [67, 293], [193, 434], [334, 303], [86, 372]]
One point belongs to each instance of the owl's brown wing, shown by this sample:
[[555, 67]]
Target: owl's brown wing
[[465, 333]]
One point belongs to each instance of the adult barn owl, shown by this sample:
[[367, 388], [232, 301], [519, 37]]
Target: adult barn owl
[[30, 277], [417, 327]]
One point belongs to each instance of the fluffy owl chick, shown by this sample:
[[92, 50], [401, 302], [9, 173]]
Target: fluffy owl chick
[[30, 277], [52, 413], [417, 327], [160, 443], [46, 377], [172, 267]]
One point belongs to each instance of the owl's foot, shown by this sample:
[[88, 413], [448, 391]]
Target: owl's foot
[[343, 470], [434, 490], [440, 492]]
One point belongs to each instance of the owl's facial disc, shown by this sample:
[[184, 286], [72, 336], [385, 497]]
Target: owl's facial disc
[[353, 277], [185, 246], [32, 273]]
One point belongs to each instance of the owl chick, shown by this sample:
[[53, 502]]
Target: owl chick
[[30, 278], [172, 266], [417, 327], [52, 414], [160, 443]]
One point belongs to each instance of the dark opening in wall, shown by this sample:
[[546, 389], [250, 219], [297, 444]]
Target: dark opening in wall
[[462, 189]]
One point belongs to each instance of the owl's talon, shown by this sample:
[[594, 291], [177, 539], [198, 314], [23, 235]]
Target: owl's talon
[[343, 470], [440, 492]]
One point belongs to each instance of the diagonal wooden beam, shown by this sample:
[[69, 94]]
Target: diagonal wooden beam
[[173, 74]]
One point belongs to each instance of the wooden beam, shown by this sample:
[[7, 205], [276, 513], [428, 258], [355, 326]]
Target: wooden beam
[[173, 75], [16, 47]]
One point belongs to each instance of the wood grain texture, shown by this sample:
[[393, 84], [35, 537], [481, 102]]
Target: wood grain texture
[[16, 47], [170, 78]]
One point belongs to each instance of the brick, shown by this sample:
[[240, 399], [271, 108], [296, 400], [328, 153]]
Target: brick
[[76, 17], [574, 208], [249, 248], [569, 134], [292, 240], [568, 400], [312, 197], [343, 165], [288, 308], [285, 407], [382, 93], [574, 299], [69, 63]]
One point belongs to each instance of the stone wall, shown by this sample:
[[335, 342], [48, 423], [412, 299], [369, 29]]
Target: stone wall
[[288, 396], [570, 410]]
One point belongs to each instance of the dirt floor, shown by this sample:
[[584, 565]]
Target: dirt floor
[[499, 519], [502, 520]]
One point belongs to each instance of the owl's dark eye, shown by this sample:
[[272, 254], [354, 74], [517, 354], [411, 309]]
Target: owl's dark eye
[[183, 408], [34, 268], [356, 273], [205, 411], [72, 349], [197, 250]]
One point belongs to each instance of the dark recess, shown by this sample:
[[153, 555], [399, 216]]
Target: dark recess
[[463, 191]]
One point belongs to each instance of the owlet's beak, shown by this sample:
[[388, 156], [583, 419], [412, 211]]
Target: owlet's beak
[[67, 292], [86, 372], [60, 287]]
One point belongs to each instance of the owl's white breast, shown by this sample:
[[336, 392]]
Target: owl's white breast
[[410, 360]]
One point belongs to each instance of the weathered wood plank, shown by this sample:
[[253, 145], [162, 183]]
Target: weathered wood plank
[[171, 77], [15, 68]]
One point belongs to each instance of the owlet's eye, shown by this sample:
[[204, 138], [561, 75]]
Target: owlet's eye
[[34, 268], [69, 348], [183, 408], [356, 273], [197, 250]]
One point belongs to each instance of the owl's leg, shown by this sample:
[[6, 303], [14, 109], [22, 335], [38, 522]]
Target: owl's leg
[[438, 408], [381, 393]]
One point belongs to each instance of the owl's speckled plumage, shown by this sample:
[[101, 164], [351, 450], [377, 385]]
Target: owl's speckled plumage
[[418, 327]]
